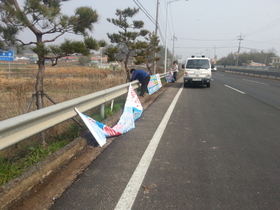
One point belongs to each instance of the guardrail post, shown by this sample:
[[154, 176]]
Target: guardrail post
[[101, 110], [112, 104]]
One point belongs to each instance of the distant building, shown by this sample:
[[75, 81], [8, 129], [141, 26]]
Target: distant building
[[18, 58], [275, 62], [69, 58], [256, 64]]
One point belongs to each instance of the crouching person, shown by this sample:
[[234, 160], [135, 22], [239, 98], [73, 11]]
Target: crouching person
[[143, 77]]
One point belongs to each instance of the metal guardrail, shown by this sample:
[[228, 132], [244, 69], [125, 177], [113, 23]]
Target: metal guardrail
[[265, 68], [19, 128], [252, 71]]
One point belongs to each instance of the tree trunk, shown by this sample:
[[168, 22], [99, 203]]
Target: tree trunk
[[127, 76], [39, 86], [126, 68], [39, 89]]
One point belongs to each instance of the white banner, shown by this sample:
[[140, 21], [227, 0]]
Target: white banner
[[132, 111]]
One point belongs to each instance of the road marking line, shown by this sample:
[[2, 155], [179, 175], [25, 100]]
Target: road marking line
[[129, 194], [235, 89], [254, 81]]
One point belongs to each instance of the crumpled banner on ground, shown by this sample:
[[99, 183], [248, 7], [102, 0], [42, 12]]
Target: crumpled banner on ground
[[132, 111]]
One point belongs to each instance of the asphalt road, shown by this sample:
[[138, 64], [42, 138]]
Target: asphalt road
[[194, 148]]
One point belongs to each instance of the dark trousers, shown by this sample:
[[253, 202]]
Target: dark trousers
[[175, 75], [144, 85]]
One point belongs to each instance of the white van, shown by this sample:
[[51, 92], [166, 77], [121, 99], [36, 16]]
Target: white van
[[197, 71]]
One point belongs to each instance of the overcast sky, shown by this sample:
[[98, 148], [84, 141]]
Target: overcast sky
[[200, 26]]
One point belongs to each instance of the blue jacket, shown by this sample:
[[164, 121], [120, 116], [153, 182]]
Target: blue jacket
[[139, 74]]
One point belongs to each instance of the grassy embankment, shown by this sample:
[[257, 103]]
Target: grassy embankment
[[61, 84]]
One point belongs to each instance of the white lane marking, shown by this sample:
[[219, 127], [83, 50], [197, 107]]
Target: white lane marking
[[129, 194], [254, 81], [235, 89]]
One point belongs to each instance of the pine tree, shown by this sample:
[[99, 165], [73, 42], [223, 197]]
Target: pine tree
[[44, 19], [126, 39]]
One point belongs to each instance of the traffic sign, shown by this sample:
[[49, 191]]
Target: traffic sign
[[7, 55]]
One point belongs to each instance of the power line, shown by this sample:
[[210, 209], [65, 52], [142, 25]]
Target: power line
[[266, 27], [265, 42], [171, 17], [161, 25], [144, 11], [142, 8]]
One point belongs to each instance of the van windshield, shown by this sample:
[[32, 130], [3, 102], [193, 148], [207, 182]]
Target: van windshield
[[198, 64]]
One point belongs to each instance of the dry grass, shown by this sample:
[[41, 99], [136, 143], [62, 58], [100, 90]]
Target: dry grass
[[60, 83]]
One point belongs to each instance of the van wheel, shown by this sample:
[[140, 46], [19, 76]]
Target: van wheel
[[208, 84]]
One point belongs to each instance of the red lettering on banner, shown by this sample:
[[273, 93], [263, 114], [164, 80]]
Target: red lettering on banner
[[133, 94], [111, 131], [91, 120]]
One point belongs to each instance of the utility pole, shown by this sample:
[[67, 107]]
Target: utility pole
[[215, 57], [155, 63], [174, 39], [240, 39]]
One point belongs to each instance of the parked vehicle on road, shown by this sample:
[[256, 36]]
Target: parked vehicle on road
[[213, 68], [197, 71]]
